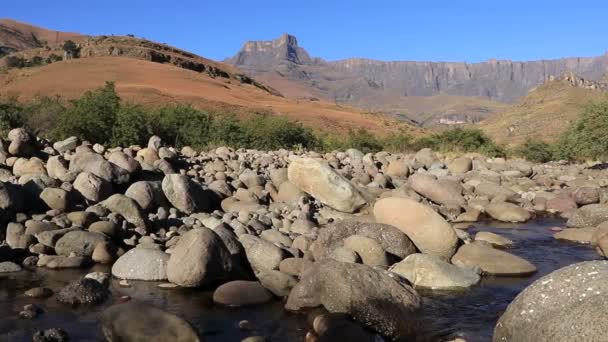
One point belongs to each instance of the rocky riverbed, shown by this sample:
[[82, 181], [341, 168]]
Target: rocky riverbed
[[164, 244]]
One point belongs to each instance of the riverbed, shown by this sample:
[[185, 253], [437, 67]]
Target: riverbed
[[470, 314]]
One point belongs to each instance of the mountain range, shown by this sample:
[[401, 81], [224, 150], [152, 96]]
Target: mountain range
[[426, 92], [511, 101]]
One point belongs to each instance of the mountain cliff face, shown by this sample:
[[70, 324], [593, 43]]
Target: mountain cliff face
[[390, 86]]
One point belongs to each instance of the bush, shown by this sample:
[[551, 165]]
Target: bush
[[15, 62], [11, 115], [40, 116], [71, 49], [181, 125], [465, 140], [587, 138], [398, 142], [227, 130], [534, 150], [131, 126], [271, 132], [91, 117]]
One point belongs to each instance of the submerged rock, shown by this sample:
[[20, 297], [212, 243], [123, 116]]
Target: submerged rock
[[135, 322]]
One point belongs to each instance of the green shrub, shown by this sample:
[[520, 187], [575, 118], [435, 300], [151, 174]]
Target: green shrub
[[534, 150], [11, 115], [227, 130], [90, 117], [131, 126], [15, 62], [271, 132], [181, 125], [587, 138], [398, 142], [41, 115], [464, 140]]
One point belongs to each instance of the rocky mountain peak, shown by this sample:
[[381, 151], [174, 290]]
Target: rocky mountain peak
[[267, 54]]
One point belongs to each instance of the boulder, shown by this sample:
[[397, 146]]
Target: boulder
[[492, 261], [431, 272], [429, 187], [96, 164], [370, 296], [55, 198], [81, 243], [142, 264], [492, 190], [33, 166], [136, 322], [566, 305], [370, 251], [241, 293], [428, 230], [127, 208], [277, 282], [148, 195], [319, 180], [68, 144], [507, 212], [588, 216], [199, 258], [92, 188], [184, 194], [262, 255], [460, 165], [580, 235], [494, 239]]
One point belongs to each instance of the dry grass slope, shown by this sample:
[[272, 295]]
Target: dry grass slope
[[543, 114], [151, 83]]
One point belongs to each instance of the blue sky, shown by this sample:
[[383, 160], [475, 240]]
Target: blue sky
[[448, 30]]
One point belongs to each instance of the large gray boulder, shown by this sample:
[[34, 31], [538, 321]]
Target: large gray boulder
[[428, 230], [507, 212], [199, 258], [142, 264], [148, 195], [371, 297], [79, 242], [392, 240], [92, 187], [184, 194], [96, 164], [492, 261], [127, 208], [318, 179], [137, 322], [429, 271], [588, 216], [261, 254], [569, 304], [446, 193]]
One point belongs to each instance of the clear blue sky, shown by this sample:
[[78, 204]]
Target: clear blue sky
[[448, 30]]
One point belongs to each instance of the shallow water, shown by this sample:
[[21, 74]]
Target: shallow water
[[470, 314]]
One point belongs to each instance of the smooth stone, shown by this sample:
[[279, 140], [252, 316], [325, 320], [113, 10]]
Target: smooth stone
[[142, 264], [431, 272], [241, 293], [492, 261]]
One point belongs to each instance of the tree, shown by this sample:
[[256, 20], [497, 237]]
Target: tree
[[71, 50], [92, 116]]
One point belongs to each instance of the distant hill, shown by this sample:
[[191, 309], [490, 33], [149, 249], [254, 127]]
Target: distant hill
[[546, 111], [16, 36], [154, 74], [475, 91]]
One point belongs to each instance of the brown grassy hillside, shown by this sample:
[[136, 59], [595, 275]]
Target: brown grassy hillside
[[16, 36], [543, 114], [151, 83]]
